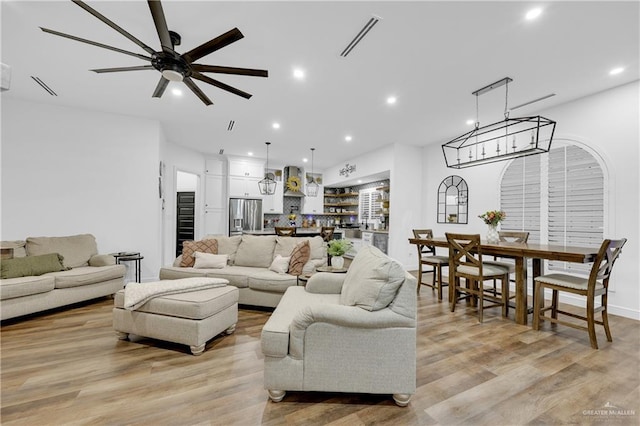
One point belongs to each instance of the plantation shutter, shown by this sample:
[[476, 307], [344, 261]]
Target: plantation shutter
[[370, 205], [576, 202], [520, 193]]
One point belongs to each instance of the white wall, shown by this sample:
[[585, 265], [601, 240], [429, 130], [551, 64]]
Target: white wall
[[607, 122], [69, 171]]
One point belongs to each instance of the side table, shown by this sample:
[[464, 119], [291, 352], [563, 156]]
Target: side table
[[130, 256]]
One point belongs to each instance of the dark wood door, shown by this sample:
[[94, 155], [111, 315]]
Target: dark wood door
[[185, 219]]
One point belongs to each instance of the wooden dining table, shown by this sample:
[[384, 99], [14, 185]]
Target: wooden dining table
[[520, 252]]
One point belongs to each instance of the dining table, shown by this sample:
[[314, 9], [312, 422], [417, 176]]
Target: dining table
[[521, 252]]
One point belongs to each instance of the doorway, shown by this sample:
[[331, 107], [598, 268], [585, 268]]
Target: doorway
[[186, 196]]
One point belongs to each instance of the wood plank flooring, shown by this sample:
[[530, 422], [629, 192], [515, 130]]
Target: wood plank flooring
[[68, 368]]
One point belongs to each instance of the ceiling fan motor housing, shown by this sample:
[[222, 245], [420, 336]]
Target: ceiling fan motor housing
[[171, 65]]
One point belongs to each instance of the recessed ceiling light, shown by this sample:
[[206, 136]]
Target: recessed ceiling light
[[304, 160], [348, 138], [176, 92], [470, 122], [298, 73], [276, 125], [359, 180], [391, 100], [533, 14], [250, 154], [615, 71]]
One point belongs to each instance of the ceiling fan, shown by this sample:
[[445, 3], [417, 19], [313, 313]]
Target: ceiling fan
[[172, 65]]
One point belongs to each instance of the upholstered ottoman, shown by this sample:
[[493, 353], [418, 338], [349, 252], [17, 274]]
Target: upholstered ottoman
[[192, 318]]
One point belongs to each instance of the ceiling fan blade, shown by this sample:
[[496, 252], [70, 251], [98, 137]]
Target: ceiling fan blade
[[195, 89], [136, 68], [113, 25], [161, 25], [230, 70], [220, 85], [162, 85], [94, 43], [212, 45]]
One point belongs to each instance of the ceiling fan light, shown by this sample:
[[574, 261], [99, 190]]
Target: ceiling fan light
[[172, 75]]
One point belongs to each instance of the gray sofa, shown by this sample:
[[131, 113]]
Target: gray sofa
[[249, 258], [87, 275], [353, 332]]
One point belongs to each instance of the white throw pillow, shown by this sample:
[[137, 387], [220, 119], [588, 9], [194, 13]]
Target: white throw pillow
[[210, 261], [280, 264]]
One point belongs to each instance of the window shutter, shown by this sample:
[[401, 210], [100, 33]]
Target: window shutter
[[520, 196]]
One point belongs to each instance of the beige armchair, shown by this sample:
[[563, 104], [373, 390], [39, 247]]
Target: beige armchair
[[353, 332]]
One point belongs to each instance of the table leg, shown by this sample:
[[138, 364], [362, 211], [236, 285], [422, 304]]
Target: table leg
[[521, 291]]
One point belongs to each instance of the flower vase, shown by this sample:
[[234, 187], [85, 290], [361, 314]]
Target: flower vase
[[337, 262], [492, 234]]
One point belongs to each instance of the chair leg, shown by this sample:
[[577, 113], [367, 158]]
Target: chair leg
[[554, 304], [477, 285], [419, 278], [505, 296], [439, 271], [605, 317], [538, 292], [591, 325], [454, 293]]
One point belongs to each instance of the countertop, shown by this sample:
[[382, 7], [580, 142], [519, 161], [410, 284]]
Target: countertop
[[299, 231]]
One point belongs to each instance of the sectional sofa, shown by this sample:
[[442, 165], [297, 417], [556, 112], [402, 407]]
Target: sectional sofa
[[49, 272], [249, 265]]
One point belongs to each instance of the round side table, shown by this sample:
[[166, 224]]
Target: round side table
[[130, 256]]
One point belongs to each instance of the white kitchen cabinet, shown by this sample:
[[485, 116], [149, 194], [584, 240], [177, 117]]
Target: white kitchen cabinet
[[215, 221], [367, 238], [246, 168], [214, 166], [215, 194], [244, 187]]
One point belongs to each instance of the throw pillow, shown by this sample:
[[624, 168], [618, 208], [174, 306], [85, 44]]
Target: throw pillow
[[31, 265], [209, 261], [280, 264], [190, 247], [372, 281], [299, 256]]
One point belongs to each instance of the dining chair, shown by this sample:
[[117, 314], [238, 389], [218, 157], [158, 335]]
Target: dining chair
[[427, 257], [285, 231], [465, 261], [597, 284], [326, 232], [508, 237]]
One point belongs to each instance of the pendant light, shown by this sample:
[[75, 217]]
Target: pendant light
[[267, 185], [504, 140], [312, 186]]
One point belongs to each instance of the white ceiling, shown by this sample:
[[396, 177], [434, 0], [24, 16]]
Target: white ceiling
[[430, 55]]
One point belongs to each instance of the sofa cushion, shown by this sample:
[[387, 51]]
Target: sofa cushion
[[25, 286], [280, 264], [31, 265], [256, 251], [86, 275], [299, 257], [285, 245], [227, 245], [210, 261], [372, 281], [177, 272], [18, 247], [271, 281], [76, 249], [190, 247]]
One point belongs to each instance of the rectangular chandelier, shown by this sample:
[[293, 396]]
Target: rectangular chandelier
[[503, 140], [510, 138]]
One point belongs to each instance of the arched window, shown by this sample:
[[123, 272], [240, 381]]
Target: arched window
[[559, 198]]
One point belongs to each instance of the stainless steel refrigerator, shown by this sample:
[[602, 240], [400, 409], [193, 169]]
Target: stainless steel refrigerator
[[244, 215]]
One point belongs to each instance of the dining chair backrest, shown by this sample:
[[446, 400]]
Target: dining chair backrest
[[513, 236], [464, 250], [603, 264], [326, 232], [424, 249], [285, 231]]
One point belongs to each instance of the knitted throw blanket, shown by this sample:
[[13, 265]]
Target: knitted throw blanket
[[137, 294]]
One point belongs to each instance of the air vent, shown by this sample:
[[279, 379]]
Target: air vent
[[221, 151], [363, 32], [533, 101], [44, 86], [231, 124]]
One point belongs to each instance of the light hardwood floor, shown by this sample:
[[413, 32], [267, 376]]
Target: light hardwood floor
[[68, 367]]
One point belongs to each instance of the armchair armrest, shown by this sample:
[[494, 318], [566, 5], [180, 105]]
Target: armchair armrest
[[348, 317], [102, 260], [325, 283]]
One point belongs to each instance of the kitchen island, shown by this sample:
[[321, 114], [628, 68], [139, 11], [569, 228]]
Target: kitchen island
[[300, 232]]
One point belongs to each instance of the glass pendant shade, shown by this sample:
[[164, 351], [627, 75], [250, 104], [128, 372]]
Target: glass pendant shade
[[267, 186], [312, 186]]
